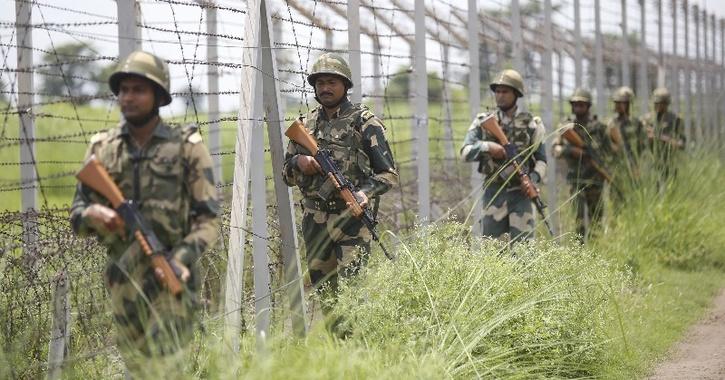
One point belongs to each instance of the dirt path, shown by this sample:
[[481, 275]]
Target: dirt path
[[701, 355]]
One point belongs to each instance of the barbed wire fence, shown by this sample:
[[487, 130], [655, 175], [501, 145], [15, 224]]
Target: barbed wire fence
[[238, 69]]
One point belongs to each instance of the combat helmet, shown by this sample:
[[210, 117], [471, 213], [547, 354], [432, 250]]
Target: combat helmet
[[623, 94], [331, 64], [581, 95], [661, 95], [509, 78], [145, 65]]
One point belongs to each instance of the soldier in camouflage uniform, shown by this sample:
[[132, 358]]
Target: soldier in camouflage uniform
[[665, 132], [508, 208], [627, 134], [336, 242], [586, 182], [168, 173]]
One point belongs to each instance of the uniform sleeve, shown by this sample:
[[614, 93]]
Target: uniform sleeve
[[291, 173], [474, 148], [382, 163], [539, 150], [81, 201], [204, 211]]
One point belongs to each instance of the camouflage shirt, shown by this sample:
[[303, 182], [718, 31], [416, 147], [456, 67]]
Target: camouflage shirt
[[580, 170], [632, 131], [356, 139], [170, 179], [524, 130], [667, 125]]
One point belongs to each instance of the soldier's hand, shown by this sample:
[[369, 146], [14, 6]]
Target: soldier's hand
[[576, 152], [308, 165], [361, 198], [528, 187], [496, 150], [650, 133], [104, 220], [184, 272]]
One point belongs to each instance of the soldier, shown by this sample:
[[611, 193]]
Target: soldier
[[665, 133], [586, 182], [507, 201], [336, 242], [627, 133], [167, 173]]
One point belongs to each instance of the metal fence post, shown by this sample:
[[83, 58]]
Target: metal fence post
[[517, 46], [60, 332], [377, 80], [626, 61], [283, 194], [26, 89], [421, 112], [447, 112], [578, 55], [699, 133], [246, 123], [474, 100], [660, 49], [260, 261], [353, 35], [129, 34], [687, 93], [599, 62], [213, 88], [644, 59], [675, 66], [706, 115], [547, 108]]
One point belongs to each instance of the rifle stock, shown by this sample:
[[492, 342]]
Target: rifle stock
[[95, 176], [574, 139], [298, 133]]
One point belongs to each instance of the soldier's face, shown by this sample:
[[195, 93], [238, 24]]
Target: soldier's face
[[505, 97], [580, 109], [136, 98], [329, 89], [661, 107], [621, 107]]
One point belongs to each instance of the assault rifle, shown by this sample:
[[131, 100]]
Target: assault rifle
[[95, 176], [297, 133], [490, 124], [574, 139]]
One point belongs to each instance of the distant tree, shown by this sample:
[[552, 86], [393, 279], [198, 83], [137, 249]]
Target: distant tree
[[70, 71], [399, 85]]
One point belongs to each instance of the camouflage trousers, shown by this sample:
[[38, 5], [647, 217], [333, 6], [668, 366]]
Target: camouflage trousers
[[149, 320], [336, 243], [509, 212], [588, 204]]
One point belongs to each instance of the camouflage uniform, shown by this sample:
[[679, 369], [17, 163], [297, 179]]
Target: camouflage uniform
[[633, 134], [586, 183], [668, 125], [336, 242], [171, 181], [506, 208]]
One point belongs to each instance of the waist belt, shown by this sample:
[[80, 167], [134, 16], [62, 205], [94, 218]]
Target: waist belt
[[333, 205]]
